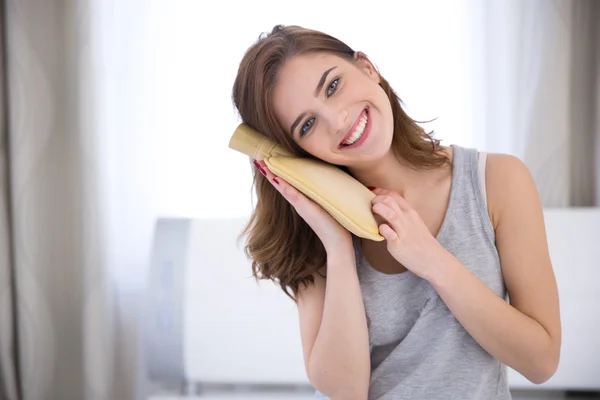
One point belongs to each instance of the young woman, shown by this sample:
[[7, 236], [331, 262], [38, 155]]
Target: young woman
[[425, 313]]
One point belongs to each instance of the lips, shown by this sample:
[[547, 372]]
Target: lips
[[354, 126]]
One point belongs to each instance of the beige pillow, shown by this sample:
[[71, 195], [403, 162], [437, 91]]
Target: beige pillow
[[341, 195]]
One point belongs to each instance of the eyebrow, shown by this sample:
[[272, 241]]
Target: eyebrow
[[317, 91]]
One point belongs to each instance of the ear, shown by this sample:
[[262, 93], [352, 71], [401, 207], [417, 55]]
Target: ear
[[367, 66]]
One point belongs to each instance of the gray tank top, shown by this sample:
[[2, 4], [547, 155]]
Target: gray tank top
[[418, 348]]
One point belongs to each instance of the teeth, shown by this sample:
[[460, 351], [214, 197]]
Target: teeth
[[360, 128]]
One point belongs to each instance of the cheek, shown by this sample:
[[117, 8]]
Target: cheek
[[386, 114], [319, 147], [316, 146]]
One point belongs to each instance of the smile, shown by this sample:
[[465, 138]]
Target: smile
[[358, 133]]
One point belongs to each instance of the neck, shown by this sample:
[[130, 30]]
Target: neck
[[393, 174]]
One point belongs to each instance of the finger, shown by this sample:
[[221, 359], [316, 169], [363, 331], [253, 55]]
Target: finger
[[401, 201], [287, 190], [390, 236], [389, 215], [379, 219], [262, 167], [389, 201], [261, 164]]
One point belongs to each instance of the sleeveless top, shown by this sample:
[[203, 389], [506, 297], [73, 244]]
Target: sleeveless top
[[419, 351]]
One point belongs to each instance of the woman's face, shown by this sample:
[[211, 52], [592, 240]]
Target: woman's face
[[334, 109]]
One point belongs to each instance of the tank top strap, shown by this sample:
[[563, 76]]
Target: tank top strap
[[469, 184]]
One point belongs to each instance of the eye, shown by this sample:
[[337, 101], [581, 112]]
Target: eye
[[307, 125], [330, 91], [332, 87]]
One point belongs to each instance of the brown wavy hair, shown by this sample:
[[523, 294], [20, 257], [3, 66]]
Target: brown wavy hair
[[282, 246]]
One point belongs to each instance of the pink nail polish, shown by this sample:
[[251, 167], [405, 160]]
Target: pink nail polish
[[276, 180]]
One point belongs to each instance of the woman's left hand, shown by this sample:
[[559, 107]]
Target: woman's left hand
[[408, 239]]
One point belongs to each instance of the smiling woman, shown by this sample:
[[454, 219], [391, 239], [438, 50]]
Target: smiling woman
[[423, 314], [299, 61]]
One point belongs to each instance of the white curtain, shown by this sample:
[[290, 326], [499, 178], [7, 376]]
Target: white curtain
[[8, 358], [537, 94], [52, 184]]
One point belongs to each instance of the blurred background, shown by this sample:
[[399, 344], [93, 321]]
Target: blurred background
[[116, 117]]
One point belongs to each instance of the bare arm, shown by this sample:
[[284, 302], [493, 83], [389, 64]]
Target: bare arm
[[334, 330], [333, 326], [525, 334]]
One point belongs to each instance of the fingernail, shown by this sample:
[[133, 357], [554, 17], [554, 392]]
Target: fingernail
[[260, 168], [276, 180], [371, 187]]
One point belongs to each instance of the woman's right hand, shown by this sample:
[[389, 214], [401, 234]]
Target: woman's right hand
[[331, 232]]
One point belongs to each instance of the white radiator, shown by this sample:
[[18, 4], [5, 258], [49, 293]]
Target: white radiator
[[209, 321]]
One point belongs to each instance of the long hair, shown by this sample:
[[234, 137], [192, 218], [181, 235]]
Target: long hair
[[282, 246]]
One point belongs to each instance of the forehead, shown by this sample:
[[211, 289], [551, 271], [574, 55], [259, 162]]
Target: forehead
[[298, 79], [310, 63]]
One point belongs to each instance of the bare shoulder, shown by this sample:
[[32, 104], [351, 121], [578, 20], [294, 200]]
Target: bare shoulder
[[508, 181], [518, 219]]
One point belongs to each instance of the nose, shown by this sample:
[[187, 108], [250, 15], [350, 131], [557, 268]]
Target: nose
[[338, 119]]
